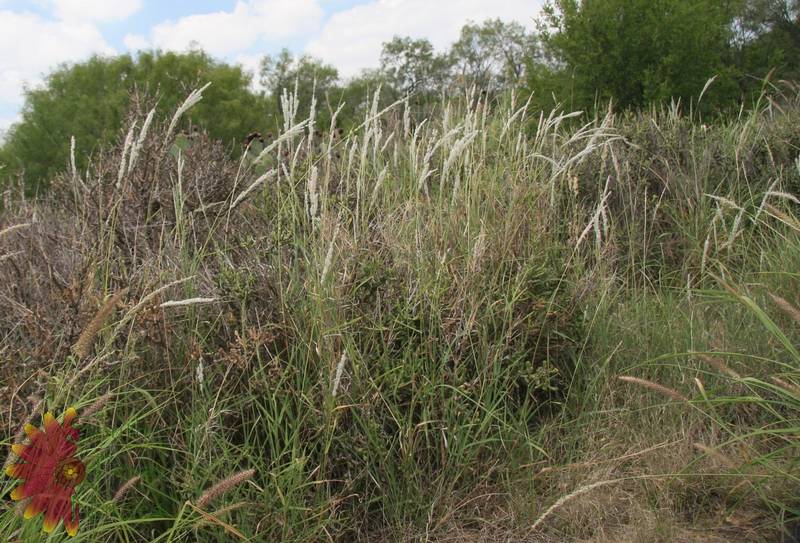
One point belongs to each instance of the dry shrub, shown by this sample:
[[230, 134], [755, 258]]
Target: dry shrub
[[98, 232]]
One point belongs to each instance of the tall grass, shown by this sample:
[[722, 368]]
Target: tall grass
[[416, 330]]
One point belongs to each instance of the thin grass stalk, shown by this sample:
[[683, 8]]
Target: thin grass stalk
[[194, 97], [97, 406], [187, 302], [85, 341], [786, 307], [224, 486], [661, 389], [253, 186], [720, 366], [124, 488]]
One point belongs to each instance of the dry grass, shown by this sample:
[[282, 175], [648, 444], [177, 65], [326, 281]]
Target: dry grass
[[85, 342], [124, 488], [661, 389], [223, 486]]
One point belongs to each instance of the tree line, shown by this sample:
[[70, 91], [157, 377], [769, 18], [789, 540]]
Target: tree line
[[580, 55]]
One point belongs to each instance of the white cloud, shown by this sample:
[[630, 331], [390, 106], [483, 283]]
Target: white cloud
[[134, 42], [24, 60], [351, 40], [225, 33], [5, 124], [252, 65], [95, 10]]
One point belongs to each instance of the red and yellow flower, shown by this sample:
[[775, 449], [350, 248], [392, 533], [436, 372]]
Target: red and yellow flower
[[50, 472]]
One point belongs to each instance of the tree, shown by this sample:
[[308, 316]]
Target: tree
[[413, 67], [90, 101], [768, 39], [639, 51], [763, 16], [313, 77], [493, 55]]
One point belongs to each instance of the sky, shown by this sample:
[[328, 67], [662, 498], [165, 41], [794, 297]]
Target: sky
[[37, 36]]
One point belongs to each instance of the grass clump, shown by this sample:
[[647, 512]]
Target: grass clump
[[420, 329]]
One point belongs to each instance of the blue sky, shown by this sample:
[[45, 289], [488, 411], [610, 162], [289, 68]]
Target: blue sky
[[345, 33]]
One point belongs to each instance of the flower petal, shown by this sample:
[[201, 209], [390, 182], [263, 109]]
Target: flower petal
[[37, 505], [71, 523], [32, 451], [58, 508], [31, 430], [19, 471], [70, 415], [18, 493], [50, 422]]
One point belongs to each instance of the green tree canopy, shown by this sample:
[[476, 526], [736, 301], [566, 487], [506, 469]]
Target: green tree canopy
[[768, 38], [493, 55], [639, 51], [412, 66], [310, 76], [90, 100]]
